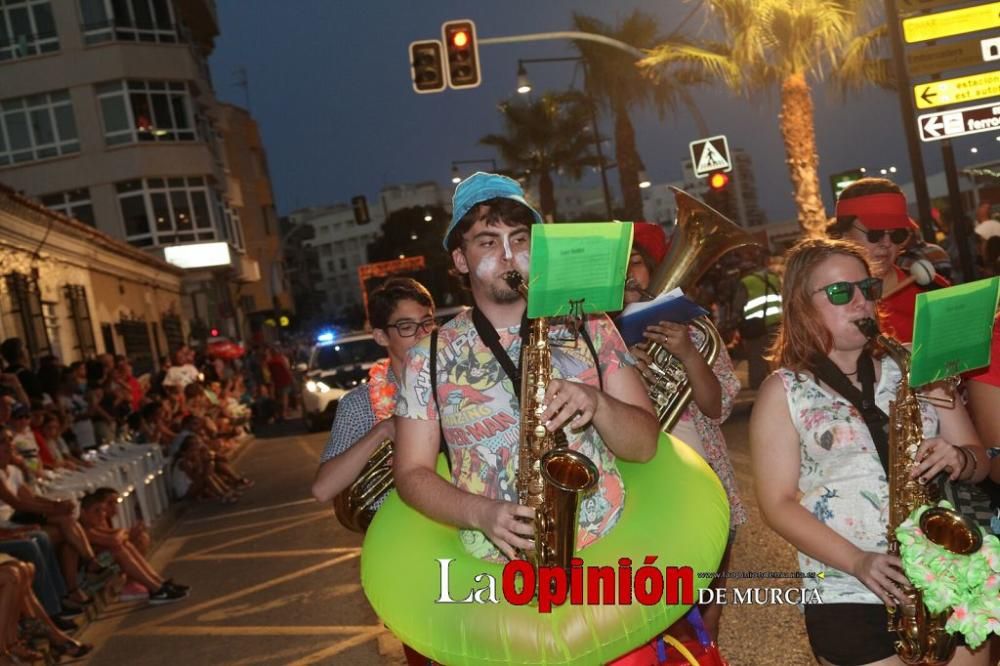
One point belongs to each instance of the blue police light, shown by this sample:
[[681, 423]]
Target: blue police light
[[325, 338]]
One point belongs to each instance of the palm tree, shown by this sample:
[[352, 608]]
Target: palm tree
[[614, 79], [542, 136], [767, 42]]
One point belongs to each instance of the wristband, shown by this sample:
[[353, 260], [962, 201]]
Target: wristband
[[975, 462]]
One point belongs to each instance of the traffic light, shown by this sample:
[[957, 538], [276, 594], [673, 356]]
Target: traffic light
[[360, 206], [718, 181], [462, 53], [427, 66]]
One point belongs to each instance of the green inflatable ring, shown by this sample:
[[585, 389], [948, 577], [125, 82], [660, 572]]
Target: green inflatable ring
[[675, 509]]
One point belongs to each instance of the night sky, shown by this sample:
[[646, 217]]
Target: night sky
[[329, 85]]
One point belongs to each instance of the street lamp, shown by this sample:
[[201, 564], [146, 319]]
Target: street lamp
[[643, 177], [524, 87], [456, 176]]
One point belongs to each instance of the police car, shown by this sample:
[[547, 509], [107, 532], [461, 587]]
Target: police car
[[336, 365]]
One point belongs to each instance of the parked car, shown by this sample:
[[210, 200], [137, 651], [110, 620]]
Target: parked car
[[336, 365]]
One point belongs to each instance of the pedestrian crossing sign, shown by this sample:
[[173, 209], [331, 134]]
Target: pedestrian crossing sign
[[710, 155]]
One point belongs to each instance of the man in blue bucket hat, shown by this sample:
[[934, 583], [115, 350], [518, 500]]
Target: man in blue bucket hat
[[471, 398]]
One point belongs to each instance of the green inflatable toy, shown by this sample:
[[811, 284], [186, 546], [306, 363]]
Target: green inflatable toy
[[675, 509]]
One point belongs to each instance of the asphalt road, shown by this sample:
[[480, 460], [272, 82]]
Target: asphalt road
[[276, 579]]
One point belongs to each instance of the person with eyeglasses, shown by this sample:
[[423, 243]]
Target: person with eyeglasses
[[401, 312], [820, 481], [872, 212]]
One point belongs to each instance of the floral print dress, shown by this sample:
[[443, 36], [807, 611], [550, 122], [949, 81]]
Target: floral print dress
[[841, 479]]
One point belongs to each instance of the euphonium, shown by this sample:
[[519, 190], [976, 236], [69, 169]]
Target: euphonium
[[550, 477], [703, 235], [922, 638], [355, 505]]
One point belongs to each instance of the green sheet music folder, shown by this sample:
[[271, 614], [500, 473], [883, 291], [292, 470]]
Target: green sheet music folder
[[952, 330], [578, 266]]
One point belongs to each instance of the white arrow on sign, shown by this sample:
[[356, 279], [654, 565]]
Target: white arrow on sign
[[932, 124]]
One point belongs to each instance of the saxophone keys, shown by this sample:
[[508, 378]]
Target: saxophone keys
[[540, 431]]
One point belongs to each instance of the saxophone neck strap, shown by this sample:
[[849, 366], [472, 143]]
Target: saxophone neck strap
[[491, 339], [863, 400]]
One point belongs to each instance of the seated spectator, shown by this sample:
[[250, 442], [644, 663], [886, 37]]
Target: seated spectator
[[29, 618], [138, 534], [29, 544], [19, 504], [195, 476], [24, 439], [95, 521], [16, 357]]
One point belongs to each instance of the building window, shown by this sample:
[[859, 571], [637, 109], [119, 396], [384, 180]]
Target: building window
[[72, 203], [37, 127], [343, 264], [79, 314], [26, 29], [29, 315], [146, 111], [128, 20], [173, 332], [167, 211], [135, 335]]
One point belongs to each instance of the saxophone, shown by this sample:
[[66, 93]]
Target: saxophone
[[550, 477], [703, 236], [922, 638]]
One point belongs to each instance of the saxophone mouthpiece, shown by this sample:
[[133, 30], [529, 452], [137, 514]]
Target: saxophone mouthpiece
[[632, 284], [868, 327], [513, 279]]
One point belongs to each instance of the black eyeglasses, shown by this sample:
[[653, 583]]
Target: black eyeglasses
[[841, 293], [407, 329], [897, 236]]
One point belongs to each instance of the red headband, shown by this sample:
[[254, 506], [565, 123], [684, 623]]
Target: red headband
[[878, 211]]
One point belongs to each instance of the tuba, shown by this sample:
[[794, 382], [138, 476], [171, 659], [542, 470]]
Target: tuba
[[551, 478], [355, 505], [703, 236], [922, 638]]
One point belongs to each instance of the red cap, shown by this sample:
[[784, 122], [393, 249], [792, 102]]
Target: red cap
[[886, 210], [651, 238]]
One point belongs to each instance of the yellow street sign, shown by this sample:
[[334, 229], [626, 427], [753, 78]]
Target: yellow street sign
[[957, 91], [954, 22], [926, 59]]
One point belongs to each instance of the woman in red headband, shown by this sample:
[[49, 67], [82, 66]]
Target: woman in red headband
[[872, 213]]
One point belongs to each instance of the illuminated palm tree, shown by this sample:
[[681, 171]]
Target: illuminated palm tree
[[788, 44], [546, 135]]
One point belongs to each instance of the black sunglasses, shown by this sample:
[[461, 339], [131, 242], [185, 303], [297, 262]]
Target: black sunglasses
[[407, 329], [841, 293], [897, 236]]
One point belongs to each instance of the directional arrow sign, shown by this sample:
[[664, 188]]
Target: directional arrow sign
[[954, 22], [957, 91], [926, 60], [960, 122]]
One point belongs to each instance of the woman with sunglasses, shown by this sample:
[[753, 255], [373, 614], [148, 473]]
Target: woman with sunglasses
[[872, 213], [401, 312], [820, 482]]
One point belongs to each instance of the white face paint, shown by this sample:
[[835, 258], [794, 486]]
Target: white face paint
[[522, 260], [486, 268], [507, 254]]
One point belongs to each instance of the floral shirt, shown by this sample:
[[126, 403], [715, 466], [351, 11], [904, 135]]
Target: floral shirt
[[480, 415], [841, 478], [708, 429]]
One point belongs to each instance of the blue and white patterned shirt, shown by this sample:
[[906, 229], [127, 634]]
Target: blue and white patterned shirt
[[354, 419]]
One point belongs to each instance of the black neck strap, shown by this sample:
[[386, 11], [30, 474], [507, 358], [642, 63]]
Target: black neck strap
[[491, 338], [863, 400]]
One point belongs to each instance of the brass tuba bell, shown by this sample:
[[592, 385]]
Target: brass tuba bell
[[703, 236]]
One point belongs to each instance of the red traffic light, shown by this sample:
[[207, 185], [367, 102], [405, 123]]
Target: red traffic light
[[718, 181], [461, 56], [214, 332]]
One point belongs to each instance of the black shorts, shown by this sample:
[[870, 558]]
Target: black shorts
[[28, 518], [849, 634]]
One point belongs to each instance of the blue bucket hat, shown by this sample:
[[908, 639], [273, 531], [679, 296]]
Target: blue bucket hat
[[480, 187]]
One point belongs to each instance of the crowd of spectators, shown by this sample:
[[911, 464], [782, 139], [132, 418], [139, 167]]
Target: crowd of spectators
[[57, 420]]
